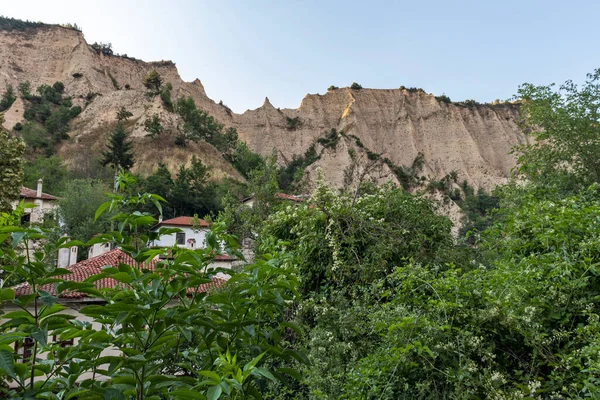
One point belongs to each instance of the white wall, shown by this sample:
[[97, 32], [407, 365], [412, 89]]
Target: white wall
[[171, 240]]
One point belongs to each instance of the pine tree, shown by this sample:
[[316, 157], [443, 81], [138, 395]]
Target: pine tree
[[118, 154]]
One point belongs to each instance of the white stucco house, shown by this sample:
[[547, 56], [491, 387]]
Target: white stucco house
[[43, 203], [192, 236]]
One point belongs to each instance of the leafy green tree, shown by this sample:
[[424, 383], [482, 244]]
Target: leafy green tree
[[161, 183], [11, 168], [78, 203], [36, 137], [153, 126], [564, 124], [8, 98], [193, 193], [153, 81], [51, 169], [24, 89]]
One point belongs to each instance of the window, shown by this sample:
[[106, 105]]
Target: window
[[180, 238], [24, 349], [26, 219]]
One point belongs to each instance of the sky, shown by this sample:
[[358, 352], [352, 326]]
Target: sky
[[243, 51]]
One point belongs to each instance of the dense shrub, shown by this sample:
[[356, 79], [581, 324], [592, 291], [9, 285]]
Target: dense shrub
[[443, 98], [153, 81], [355, 86], [330, 88], [8, 98], [13, 24], [293, 123]]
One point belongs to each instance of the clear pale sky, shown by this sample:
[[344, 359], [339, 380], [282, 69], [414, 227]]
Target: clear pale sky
[[243, 51]]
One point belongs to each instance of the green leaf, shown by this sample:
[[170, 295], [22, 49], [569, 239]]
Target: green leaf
[[265, 373], [212, 375], [101, 210], [214, 392], [187, 394], [7, 363], [7, 294]]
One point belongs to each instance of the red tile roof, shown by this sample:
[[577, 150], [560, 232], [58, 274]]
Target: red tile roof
[[93, 266], [32, 194], [288, 197], [182, 221]]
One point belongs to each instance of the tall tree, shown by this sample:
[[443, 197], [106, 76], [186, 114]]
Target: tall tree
[[118, 154], [11, 168], [565, 124]]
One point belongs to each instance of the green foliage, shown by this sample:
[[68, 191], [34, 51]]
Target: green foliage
[[408, 176], [79, 200], [102, 48], [118, 154], [355, 86], [412, 89], [478, 209], [443, 98], [11, 168], [153, 126], [24, 89], [36, 137], [199, 125], [8, 98], [330, 140], [48, 114], [293, 123], [245, 160], [292, 172], [174, 341], [153, 81], [332, 87], [13, 24], [190, 193], [114, 81], [50, 169], [123, 114], [244, 221], [165, 96], [564, 123]]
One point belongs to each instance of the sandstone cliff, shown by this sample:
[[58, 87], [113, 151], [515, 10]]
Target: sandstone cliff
[[397, 124]]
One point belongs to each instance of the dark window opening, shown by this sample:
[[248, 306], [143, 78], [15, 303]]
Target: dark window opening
[[24, 349], [180, 237], [26, 219]]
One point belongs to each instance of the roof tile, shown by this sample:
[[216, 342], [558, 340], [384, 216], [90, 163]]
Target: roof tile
[[93, 266]]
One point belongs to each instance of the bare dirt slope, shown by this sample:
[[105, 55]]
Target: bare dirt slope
[[397, 124]]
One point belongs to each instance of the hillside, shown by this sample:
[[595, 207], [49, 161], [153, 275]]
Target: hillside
[[383, 130]]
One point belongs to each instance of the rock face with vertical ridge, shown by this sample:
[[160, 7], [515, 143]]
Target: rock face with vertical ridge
[[472, 140]]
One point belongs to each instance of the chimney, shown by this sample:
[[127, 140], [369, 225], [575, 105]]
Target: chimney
[[39, 188], [160, 218]]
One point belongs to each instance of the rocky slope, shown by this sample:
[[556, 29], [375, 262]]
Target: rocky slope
[[396, 124]]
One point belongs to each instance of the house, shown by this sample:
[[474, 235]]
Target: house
[[43, 202], [249, 201], [74, 301], [192, 236]]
